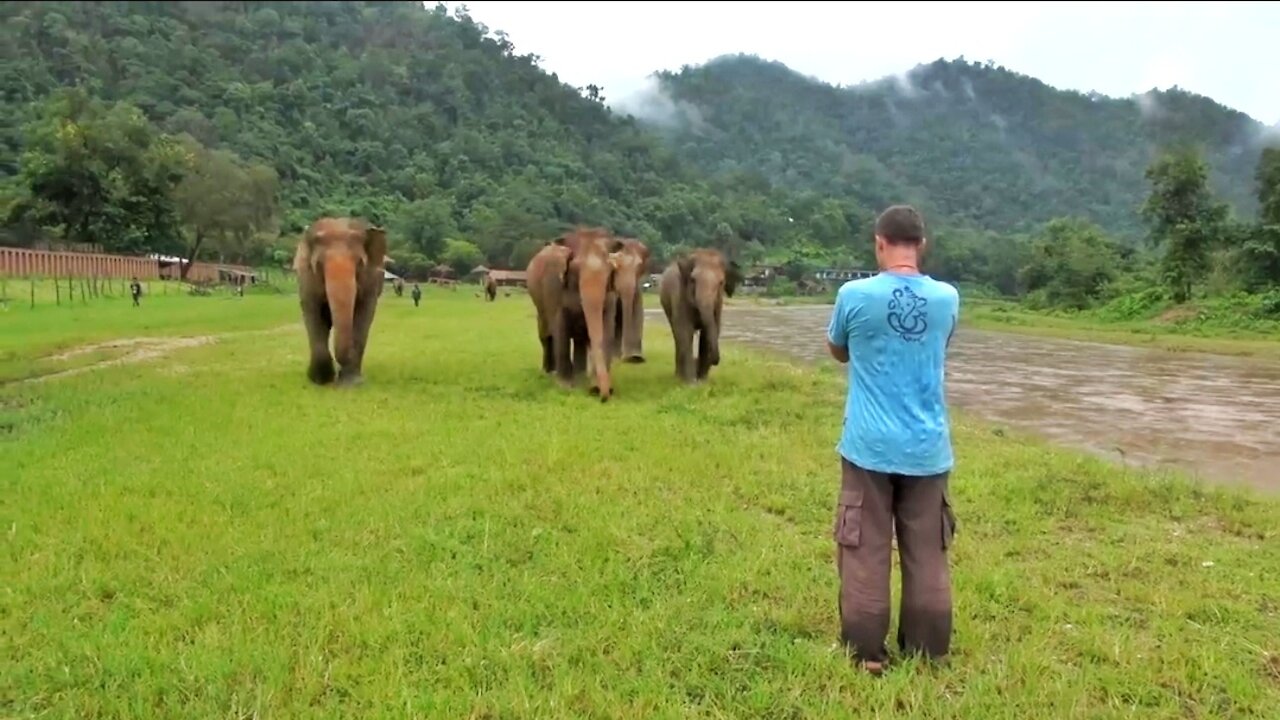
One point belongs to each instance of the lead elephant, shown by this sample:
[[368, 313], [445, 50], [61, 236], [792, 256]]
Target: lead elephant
[[570, 283], [692, 292], [628, 330], [339, 262]]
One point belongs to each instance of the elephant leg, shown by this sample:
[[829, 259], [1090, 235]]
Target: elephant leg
[[704, 354], [315, 314], [615, 342], [581, 363], [548, 343], [560, 341], [684, 352], [548, 354], [362, 321]]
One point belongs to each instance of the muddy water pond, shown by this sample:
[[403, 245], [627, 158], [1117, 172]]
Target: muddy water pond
[[1215, 417]]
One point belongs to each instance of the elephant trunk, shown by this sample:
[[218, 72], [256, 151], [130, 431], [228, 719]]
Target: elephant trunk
[[340, 287], [632, 326], [593, 308], [710, 320]]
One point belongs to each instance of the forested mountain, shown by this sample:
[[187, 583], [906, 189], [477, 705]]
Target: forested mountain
[[969, 142], [412, 116], [229, 126]]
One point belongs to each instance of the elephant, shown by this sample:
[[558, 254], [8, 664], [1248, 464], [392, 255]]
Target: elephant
[[490, 288], [570, 283], [339, 262], [628, 331], [692, 292]]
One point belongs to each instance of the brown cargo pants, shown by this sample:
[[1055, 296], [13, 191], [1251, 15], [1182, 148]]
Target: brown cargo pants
[[871, 505]]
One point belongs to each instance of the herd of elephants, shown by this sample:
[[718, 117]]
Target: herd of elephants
[[586, 286]]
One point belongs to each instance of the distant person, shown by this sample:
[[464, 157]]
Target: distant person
[[893, 330], [416, 293], [135, 290]]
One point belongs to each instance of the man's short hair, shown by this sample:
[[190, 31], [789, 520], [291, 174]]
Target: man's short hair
[[901, 225]]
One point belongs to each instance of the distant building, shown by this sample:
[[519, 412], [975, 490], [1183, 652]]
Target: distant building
[[842, 275], [509, 278]]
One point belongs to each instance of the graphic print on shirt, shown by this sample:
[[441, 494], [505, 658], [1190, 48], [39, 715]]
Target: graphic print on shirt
[[906, 314]]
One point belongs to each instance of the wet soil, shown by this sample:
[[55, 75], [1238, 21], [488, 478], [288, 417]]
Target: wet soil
[[1215, 417]]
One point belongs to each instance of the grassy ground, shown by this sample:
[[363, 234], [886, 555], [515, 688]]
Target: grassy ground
[[1168, 333], [31, 337], [206, 535]]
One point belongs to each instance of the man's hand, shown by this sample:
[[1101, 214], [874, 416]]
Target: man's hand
[[841, 354]]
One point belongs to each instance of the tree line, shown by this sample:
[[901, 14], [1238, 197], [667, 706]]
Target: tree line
[[224, 128]]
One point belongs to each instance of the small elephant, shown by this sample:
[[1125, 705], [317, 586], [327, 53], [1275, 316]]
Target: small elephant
[[628, 329], [570, 283], [692, 291], [339, 263]]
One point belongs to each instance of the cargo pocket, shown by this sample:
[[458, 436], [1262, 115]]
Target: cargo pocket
[[848, 527], [948, 522]]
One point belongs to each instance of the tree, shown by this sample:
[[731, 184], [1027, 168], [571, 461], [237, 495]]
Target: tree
[[225, 202], [1261, 243], [1071, 263], [461, 255], [100, 174], [424, 225], [1267, 177], [1185, 219]]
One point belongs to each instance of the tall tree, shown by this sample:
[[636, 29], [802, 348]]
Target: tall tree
[[1267, 177], [100, 173], [1070, 264], [1261, 247], [462, 256], [225, 203], [1184, 218]]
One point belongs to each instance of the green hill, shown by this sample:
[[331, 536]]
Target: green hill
[[973, 143], [413, 116], [428, 121]]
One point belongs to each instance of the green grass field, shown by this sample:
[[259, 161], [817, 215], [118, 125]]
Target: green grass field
[[205, 535], [32, 337], [1214, 335]]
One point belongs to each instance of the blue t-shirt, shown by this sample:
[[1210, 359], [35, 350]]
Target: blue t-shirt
[[897, 329]]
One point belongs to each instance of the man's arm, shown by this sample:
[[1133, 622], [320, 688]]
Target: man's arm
[[838, 330], [841, 354], [955, 320]]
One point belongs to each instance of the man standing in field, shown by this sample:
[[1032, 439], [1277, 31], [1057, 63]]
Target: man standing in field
[[135, 289], [895, 447]]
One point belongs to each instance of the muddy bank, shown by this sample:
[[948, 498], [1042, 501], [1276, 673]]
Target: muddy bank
[[1213, 416]]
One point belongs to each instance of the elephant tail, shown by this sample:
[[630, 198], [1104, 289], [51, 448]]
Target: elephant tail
[[340, 288]]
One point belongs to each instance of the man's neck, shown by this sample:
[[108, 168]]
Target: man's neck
[[901, 263]]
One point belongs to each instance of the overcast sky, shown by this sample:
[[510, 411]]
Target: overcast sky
[[1227, 51]]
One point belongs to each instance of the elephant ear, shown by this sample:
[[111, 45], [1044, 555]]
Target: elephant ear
[[375, 245], [732, 278]]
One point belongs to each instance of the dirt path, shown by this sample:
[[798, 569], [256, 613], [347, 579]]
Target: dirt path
[[135, 350]]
